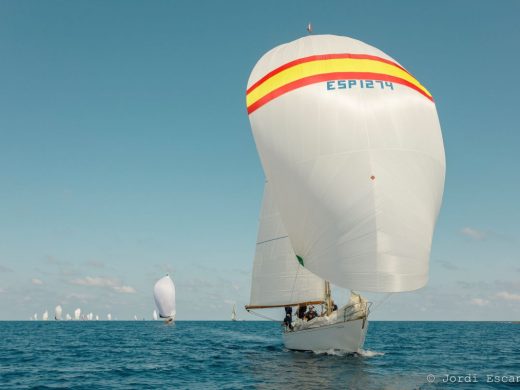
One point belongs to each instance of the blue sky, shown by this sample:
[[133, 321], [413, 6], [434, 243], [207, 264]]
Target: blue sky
[[126, 151]]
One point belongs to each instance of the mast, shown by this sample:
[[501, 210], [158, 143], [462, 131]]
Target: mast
[[328, 300]]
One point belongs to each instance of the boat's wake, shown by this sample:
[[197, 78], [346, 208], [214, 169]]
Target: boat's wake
[[360, 352], [363, 353]]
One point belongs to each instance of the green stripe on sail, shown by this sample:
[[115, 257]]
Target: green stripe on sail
[[300, 260]]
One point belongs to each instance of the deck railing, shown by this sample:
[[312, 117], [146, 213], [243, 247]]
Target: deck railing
[[356, 310]]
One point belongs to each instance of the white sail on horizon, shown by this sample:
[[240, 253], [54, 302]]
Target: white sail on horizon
[[164, 295], [57, 313], [234, 313], [356, 163], [109, 317], [77, 314], [154, 314], [68, 317], [45, 315]]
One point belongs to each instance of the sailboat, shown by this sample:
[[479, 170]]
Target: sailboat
[[109, 317], [68, 317], [77, 314], [164, 295], [35, 317], [57, 313], [45, 315], [154, 315], [352, 151], [234, 313]]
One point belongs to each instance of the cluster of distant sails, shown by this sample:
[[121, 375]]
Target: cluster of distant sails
[[164, 295], [58, 311]]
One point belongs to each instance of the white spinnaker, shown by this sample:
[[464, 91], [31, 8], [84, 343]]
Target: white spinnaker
[[57, 313], [357, 174], [278, 279], [77, 314], [164, 295]]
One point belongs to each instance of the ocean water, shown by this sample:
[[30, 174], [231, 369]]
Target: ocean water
[[250, 355]]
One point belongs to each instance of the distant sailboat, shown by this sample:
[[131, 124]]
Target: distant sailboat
[[97, 317], [77, 314], [109, 317], [135, 317], [57, 313], [234, 313], [35, 317], [68, 317], [352, 151], [90, 316], [154, 315], [45, 315], [164, 295]]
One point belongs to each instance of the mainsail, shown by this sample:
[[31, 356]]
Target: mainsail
[[352, 147], [278, 279], [77, 314], [164, 295]]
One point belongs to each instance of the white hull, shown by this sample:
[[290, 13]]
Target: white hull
[[347, 336]]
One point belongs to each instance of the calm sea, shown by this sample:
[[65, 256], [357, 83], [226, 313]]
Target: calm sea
[[250, 355]]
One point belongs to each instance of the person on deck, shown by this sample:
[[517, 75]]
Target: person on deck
[[311, 314], [301, 311], [288, 317]]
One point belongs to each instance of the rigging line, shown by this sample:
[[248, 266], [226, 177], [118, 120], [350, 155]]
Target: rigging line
[[262, 316], [380, 303], [294, 281], [272, 239]]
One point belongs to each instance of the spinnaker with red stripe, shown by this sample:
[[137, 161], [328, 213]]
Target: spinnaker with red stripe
[[351, 145]]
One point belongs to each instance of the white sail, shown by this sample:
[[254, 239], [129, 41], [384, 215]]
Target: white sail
[[68, 317], [164, 295], [77, 314], [35, 317], [352, 146], [109, 317], [57, 313], [90, 316], [97, 317], [278, 279], [154, 315], [45, 315], [234, 313]]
